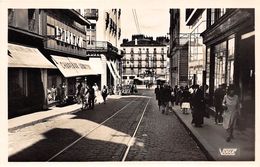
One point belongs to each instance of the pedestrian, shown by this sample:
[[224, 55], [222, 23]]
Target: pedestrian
[[135, 88], [53, 92], [218, 99], [176, 89], [206, 101], [104, 93], [83, 95], [172, 101], [91, 98], [165, 96], [179, 94], [78, 95], [157, 95], [63, 93], [232, 111], [197, 102], [96, 89], [185, 105], [131, 89]]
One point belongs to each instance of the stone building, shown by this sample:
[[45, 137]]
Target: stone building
[[145, 59]]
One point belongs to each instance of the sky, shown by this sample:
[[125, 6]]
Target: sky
[[152, 22]]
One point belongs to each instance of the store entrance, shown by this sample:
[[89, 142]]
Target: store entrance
[[247, 76]]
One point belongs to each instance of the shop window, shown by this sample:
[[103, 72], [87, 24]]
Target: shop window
[[230, 62], [207, 66], [17, 83], [220, 63]]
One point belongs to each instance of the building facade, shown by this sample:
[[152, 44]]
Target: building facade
[[102, 36], [144, 59], [196, 21], [230, 56], [179, 45]]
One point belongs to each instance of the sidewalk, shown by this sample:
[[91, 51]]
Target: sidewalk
[[211, 138], [41, 116]]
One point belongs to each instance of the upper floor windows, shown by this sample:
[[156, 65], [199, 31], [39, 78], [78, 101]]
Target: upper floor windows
[[214, 14]]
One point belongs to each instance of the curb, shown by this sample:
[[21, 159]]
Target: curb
[[201, 146], [41, 120]]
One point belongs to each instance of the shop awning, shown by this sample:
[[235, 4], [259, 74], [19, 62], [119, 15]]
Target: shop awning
[[111, 69], [27, 57], [72, 67], [114, 67]]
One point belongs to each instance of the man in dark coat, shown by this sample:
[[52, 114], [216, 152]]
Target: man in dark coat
[[197, 104], [165, 97], [91, 99], [157, 95]]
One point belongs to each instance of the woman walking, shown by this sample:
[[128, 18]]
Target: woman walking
[[185, 106], [232, 111]]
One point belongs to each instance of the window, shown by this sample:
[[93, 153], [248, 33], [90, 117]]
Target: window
[[220, 63], [107, 19], [212, 16], [10, 16], [17, 83], [222, 12], [32, 20], [207, 66], [230, 61]]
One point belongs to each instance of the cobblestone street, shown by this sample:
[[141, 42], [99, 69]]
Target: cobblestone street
[[104, 134]]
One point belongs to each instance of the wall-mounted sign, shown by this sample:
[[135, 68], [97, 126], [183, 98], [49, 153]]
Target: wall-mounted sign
[[68, 37]]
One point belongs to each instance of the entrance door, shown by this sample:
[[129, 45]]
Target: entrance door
[[247, 75]]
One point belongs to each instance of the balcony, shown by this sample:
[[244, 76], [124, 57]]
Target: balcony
[[103, 47]]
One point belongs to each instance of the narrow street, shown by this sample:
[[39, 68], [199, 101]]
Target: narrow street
[[127, 128]]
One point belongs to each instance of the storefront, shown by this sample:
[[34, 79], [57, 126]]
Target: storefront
[[74, 71], [230, 58], [65, 46], [27, 79]]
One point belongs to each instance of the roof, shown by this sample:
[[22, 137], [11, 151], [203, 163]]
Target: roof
[[142, 42]]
